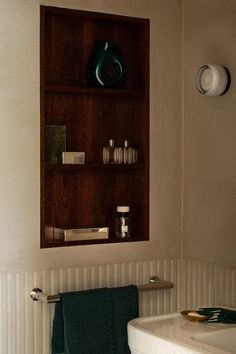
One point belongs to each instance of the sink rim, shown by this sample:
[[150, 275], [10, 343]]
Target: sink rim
[[192, 344], [200, 337]]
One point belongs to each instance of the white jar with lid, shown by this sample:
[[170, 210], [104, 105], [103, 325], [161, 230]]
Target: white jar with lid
[[122, 222]]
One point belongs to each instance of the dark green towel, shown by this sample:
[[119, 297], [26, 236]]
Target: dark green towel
[[94, 321], [218, 314], [125, 308]]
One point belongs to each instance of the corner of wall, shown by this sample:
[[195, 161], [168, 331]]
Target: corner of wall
[[182, 126]]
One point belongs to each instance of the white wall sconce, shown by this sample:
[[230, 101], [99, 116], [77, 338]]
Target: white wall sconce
[[212, 80]]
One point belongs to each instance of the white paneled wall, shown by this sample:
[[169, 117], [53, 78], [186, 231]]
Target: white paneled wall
[[25, 326], [207, 284]]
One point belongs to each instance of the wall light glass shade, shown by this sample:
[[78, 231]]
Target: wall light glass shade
[[212, 80]]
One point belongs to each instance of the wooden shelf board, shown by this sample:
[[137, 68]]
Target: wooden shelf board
[[95, 166], [49, 244], [93, 90]]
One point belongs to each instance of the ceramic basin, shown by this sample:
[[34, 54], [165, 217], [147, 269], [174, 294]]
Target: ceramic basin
[[224, 339], [174, 334]]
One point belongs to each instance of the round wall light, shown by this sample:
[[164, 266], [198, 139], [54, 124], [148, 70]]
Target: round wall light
[[212, 80]]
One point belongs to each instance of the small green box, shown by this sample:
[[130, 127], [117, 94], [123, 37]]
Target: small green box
[[55, 143]]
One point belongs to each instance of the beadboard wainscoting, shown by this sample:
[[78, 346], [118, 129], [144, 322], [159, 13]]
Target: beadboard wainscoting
[[207, 284], [25, 326]]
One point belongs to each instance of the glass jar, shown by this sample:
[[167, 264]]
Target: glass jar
[[122, 222], [109, 153]]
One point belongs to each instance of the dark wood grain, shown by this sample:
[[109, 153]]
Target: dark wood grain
[[78, 196]]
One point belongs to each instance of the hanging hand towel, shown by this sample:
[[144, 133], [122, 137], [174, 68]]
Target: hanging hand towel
[[124, 309], [83, 323], [94, 321]]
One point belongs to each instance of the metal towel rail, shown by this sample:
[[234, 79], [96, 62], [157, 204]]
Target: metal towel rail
[[154, 284]]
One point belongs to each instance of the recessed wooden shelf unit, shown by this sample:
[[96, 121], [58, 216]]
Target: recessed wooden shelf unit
[[86, 196]]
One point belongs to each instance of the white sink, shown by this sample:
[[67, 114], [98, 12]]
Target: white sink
[[224, 339], [174, 334]]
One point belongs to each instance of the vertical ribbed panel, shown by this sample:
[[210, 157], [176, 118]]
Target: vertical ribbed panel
[[207, 284], [25, 326]]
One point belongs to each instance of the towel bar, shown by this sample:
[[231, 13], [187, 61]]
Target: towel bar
[[154, 284]]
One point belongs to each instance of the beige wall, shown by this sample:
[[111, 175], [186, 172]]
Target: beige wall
[[19, 137], [209, 134]]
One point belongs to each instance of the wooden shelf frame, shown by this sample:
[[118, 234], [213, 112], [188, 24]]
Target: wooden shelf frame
[[74, 196]]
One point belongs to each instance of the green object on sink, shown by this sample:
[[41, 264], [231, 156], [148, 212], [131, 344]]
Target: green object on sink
[[106, 68], [218, 314]]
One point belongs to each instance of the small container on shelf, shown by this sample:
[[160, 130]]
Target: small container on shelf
[[109, 155], [130, 155], [122, 222], [73, 157], [126, 152], [119, 155], [134, 155], [82, 234]]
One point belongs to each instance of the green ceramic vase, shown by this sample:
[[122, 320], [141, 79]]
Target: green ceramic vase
[[107, 68]]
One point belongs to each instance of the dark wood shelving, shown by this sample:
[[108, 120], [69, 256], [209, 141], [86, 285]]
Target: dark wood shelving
[[86, 196], [93, 166], [94, 91], [54, 243]]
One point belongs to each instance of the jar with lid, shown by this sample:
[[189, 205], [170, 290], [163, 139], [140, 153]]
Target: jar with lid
[[122, 222]]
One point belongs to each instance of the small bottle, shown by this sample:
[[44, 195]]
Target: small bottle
[[109, 152], [118, 155], [122, 222], [134, 155], [126, 152]]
